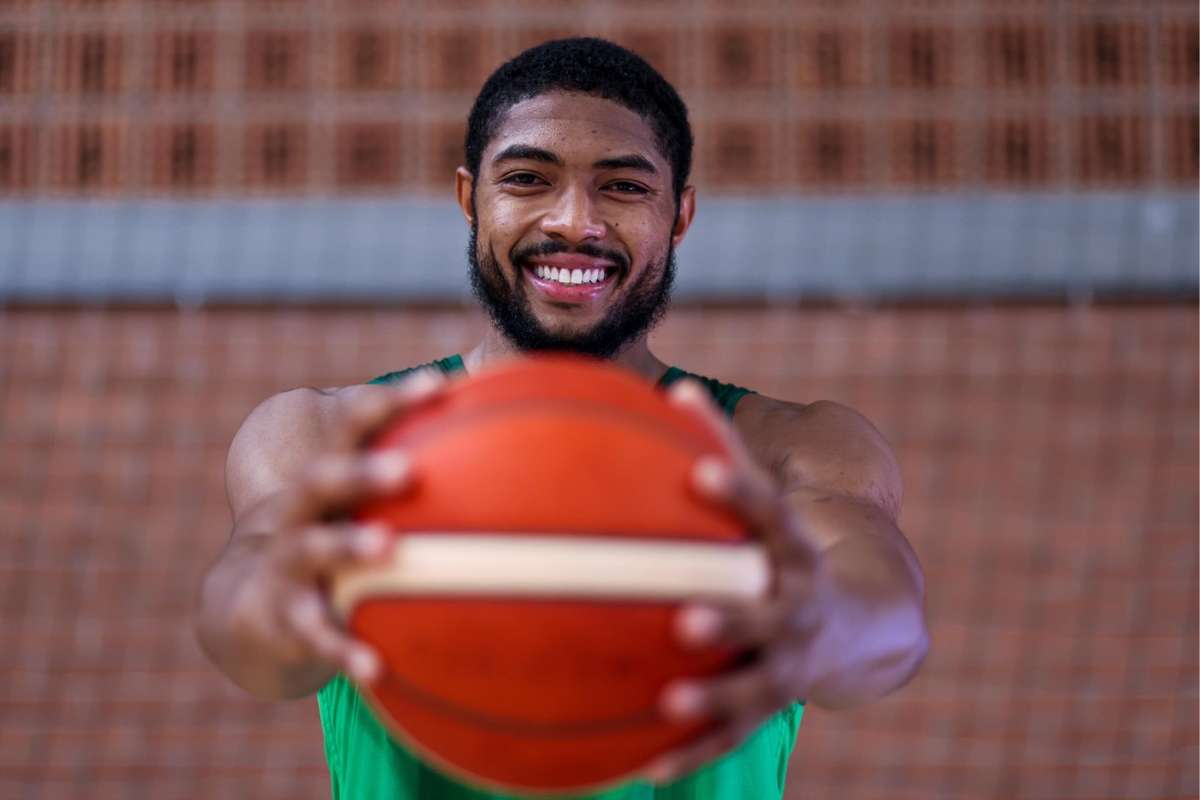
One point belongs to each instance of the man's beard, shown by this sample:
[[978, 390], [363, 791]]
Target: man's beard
[[509, 307]]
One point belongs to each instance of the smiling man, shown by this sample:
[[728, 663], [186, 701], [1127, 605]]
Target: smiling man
[[575, 190]]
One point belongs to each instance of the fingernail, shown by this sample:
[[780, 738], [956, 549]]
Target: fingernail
[[422, 383], [371, 540], [686, 391], [683, 700], [388, 468], [657, 773], [699, 624], [307, 609], [363, 665], [712, 475]]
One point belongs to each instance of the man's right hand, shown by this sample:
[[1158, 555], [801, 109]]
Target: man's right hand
[[296, 470]]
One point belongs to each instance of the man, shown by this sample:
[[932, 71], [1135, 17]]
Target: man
[[575, 190]]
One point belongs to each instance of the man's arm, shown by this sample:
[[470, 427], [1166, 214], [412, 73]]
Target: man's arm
[[844, 622], [839, 476], [293, 470]]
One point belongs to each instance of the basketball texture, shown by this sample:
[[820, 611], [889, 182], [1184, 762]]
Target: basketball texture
[[516, 686]]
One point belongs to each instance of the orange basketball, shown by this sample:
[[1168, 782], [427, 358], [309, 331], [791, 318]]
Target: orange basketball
[[526, 621]]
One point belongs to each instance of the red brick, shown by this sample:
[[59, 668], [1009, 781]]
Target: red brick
[[1110, 52], [1111, 150], [18, 62], [1179, 48], [458, 58], [369, 154], [1019, 151], [276, 60], [89, 62], [924, 152], [921, 57], [371, 57], [738, 57], [88, 157], [183, 157], [1016, 54], [184, 61]]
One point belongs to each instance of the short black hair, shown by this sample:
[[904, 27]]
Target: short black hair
[[586, 65]]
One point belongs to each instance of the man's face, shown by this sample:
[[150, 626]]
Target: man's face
[[573, 225]]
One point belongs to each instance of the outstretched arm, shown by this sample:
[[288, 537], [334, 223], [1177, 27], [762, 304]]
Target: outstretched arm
[[845, 621], [294, 469]]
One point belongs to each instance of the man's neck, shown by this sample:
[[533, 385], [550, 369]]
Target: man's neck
[[636, 357]]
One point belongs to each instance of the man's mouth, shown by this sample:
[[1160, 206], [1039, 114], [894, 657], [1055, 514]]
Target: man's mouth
[[571, 277], [567, 282]]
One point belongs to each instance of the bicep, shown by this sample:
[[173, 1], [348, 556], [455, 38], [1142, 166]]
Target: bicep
[[826, 446], [843, 473], [273, 443]]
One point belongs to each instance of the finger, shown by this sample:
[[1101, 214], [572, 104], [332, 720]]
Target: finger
[[336, 482], [744, 484], [748, 625], [751, 492], [321, 549], [691, 395], [761, 689], [373, 406], [308, 620], [755, 497], [721, 740]]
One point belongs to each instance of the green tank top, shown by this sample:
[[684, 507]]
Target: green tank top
[[365, 763]]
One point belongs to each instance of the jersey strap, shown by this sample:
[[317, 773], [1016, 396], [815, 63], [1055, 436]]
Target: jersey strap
[[725, 395]]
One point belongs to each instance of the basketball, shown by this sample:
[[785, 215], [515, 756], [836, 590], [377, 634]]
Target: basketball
[[526, 620]]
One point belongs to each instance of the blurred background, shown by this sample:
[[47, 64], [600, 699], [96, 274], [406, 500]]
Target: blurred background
[[973, 220]]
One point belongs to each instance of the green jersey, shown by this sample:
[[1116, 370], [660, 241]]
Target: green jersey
[[366, 763]]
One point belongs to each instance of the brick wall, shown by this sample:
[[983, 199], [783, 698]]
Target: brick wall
[[294, 96], [1051, 471]]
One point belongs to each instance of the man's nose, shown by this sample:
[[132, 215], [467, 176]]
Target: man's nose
[[573, 217]]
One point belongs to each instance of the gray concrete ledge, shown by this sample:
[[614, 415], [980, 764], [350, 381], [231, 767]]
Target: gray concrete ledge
[[887, 247]]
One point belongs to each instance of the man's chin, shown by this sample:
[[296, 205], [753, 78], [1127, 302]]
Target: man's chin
[[574, 340], [570, 322]]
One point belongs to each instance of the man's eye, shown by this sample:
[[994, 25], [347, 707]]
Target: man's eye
[[522, 179], [628, 187]]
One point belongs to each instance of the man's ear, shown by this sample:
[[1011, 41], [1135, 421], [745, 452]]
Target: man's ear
[[464, 187], [683, 219]]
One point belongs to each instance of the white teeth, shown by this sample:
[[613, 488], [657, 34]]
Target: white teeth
[[570, 277]]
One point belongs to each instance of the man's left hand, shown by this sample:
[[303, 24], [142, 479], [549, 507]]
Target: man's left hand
[[781, 629]]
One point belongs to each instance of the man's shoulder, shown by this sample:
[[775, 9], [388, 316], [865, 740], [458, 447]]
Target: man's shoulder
[[313, 408], [821, 442], [284, 433], [305, 406], [296, 420], [769, 416], [763, 411], [760, 419]]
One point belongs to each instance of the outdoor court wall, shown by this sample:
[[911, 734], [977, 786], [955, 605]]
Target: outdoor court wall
[[1049, 459]]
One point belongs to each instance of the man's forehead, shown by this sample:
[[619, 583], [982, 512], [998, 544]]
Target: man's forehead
[[556, 121]]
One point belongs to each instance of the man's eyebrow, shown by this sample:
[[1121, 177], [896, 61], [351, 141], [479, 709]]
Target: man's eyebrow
[[524, 151], [631, 161], [515, 152]]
